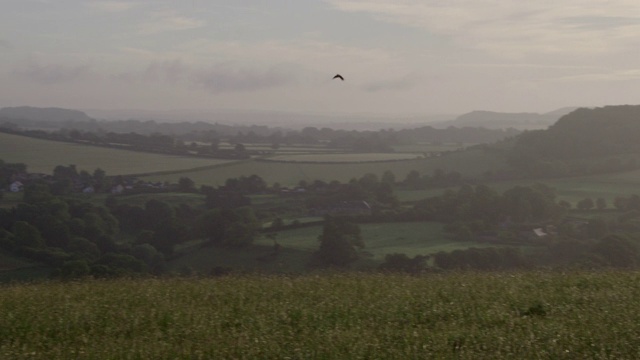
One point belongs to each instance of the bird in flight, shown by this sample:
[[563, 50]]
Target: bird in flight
[[338, 76]]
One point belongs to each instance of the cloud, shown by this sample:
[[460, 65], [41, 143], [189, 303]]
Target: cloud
[[512, 27], [600, 77], [227, 77], [5, 44], [51, 73], [321, 57], [224, 78], [111, 6], [167, 21], [172, 72], [403, 83]]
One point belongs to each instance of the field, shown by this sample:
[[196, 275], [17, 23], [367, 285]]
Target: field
[[607, 186], [344, 158], [42, 156], [418, 238], [471, 163], [298, 246], [529, 315], [573, 189], [429, 147]]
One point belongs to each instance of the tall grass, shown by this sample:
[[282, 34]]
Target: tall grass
[[342, 316]]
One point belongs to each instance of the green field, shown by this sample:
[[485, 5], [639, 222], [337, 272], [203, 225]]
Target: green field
[[347, 157], [418, 238], [527, 315], [573, 189], [298, 246], [42, 156], [472, 163], [429, 147]]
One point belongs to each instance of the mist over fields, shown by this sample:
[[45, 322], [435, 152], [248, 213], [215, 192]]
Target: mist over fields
[[319, 179]]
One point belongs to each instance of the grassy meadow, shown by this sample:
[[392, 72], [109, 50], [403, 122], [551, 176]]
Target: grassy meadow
[[42, 156], [411, 238], [298, 245], [528, 315]]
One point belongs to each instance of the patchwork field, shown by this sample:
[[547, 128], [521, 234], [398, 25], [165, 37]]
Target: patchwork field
[[44, 155], [474, 162]]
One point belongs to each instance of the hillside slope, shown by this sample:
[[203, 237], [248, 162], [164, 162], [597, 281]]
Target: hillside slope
[[500, 120]]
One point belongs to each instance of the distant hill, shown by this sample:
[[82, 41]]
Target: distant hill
[[453, 134], [585, 132], [499, 120], [51, 114], [585, 141], [283, 119]]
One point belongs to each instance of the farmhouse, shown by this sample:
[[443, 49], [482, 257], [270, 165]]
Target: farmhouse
[[16, 186], [539, 233]]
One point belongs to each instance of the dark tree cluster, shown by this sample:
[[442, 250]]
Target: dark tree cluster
[[439, 178], [376, 191], [75, 237], [78, 238], [10, 171], [480, 203]]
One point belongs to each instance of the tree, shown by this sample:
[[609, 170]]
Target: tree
[[601, 203], [388, 177], [277, 224], [185, 184], [229, 227], [65, 172], [412, 180], [338, 242], [36, 193], [152, 257], [402, 263], [617, 251], [585, 204], [74, 269], [27, 235]]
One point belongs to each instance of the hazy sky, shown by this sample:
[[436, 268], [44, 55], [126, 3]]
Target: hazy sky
[[397, 56]]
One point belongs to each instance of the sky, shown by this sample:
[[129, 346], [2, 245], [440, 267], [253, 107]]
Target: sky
[[397, 57]]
